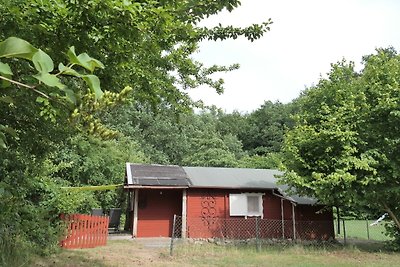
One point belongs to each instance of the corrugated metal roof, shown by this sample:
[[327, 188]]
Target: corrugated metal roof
[[156, 175], [232, 177], [241, 178], [208, 177]]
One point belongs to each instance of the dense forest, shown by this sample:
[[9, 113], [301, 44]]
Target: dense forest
[[122, 97]]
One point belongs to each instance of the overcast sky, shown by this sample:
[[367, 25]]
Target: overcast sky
[[305, 38]]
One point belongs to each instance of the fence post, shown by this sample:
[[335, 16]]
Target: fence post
[[258, 244], [171, 247], [294, 222], [344, 233], [282, 219], [338, 220], [366, 220]]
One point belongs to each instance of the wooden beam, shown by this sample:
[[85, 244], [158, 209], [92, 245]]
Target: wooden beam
[[135, 213], [184, 213], [283, 219]]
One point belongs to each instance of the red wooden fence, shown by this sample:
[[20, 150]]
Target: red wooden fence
[[85, 231]]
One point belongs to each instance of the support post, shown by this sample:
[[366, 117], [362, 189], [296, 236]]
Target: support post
[[282, 219], [135, 212], [184, 198], [258, 234], [338, 220], [366, 220], [344, 233], [294, 222], [171, 246]]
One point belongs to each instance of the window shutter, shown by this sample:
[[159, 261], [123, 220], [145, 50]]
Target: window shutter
[[238, 204]]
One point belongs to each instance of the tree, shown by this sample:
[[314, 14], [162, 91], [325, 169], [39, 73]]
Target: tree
[[145, 44], [57, 91], [345, 144], [37, 106], [265, 128]]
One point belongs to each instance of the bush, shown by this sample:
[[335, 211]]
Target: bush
[[393, 231], [14, 248]]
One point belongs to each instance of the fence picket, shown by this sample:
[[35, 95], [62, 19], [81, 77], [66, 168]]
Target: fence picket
[[85, 231]]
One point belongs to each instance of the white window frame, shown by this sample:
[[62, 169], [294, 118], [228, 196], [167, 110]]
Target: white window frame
[[238, 205]]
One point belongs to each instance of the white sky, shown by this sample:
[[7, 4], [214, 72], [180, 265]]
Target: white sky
[[305, 38]]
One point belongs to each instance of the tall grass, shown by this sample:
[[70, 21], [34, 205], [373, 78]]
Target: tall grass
[[14, 249], [295, 255]]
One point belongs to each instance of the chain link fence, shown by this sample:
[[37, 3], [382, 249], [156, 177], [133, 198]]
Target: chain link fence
[[254, 231], [353, 230]]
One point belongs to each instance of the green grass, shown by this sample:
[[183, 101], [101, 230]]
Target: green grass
[[133, 253], [358, 229], [212, 255]]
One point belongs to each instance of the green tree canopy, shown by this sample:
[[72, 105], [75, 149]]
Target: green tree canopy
[[145, 44], [265, 127], [345, 145], [143, 47]]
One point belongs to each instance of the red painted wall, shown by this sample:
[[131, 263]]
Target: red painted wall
[[208, 216], [156, 209], [206, 208], [314, 222]]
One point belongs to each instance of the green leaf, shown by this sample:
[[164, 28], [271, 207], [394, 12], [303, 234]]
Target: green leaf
[[42, 62], [2, 143], [6, 129], [40, 99], [68, 71], [6, 99], [70, 95], [5, 69], [72, 55], [9, 130], [6, 72], [83, 60], [94, 84], [16, 47], [89, 63], [49, 79]]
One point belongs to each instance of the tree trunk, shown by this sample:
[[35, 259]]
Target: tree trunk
[[392, 215]]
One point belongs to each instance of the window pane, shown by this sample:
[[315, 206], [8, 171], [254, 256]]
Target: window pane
[[253, 204]]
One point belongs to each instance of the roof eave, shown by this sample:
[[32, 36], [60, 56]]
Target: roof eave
[[153, 187], [230, 187]]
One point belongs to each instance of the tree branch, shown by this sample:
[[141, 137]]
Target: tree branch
[[33, 88], [25, 86], [392, 215]]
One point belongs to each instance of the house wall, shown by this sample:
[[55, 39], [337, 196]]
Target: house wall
[[314, 222], [206, 208], [156, 209]]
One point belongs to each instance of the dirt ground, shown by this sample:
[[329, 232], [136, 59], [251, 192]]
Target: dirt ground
[[118, 252]]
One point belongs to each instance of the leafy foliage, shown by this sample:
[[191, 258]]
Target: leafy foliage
[[265, 128], [146, 44], [52, 94], [342, 149], [52, 106]]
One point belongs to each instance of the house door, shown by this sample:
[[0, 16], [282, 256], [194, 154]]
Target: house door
[[156, 209]]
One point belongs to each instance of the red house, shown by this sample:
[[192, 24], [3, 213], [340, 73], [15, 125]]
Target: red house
[[220, 202]]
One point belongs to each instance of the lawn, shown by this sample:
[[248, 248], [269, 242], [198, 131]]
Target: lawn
[[133, 253], [359, 229]]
